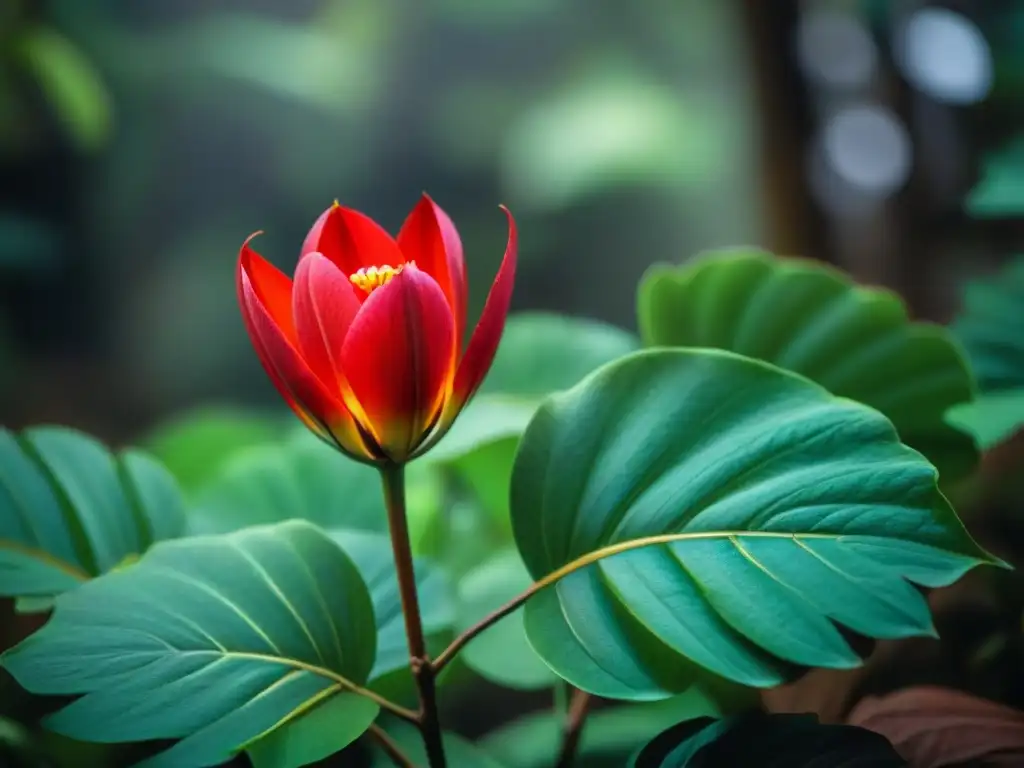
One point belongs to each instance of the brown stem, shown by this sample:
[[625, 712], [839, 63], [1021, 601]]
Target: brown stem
[[579, 708], [456, 645], [393, 479], [391, 749]]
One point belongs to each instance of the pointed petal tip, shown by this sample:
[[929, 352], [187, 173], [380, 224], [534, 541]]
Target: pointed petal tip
[[428, 202], [247, 243], [483, 344]]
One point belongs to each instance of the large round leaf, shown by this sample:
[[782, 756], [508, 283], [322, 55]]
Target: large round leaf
[[767, 741], [991, 327], [303, 478], [729, 512], [213, 640], [808, 318], [71, 510]]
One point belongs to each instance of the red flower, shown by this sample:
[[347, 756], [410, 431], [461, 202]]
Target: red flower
[[366, 344]]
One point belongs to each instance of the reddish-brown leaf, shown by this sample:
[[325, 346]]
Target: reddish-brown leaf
[[943, 728]]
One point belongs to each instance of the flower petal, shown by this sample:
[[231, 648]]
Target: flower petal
[[484, 343], [351, 240], [429, 238], [271, 285], [324, 303], [397, 359], [301, 389]]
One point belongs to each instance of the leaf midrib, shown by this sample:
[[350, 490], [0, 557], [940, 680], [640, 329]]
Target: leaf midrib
[[668, 538], [45, 557], [280, 660]]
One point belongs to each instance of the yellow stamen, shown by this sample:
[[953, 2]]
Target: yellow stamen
[[370, 279]]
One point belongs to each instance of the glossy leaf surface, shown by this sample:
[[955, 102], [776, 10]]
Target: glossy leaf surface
[[71, 510], [703, 512], [805, 317], [250, 631], [767, 741]]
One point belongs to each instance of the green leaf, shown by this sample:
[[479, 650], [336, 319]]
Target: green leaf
[[250, 630], [610, 736], [1000, 193], [460, 752], [324, 730], [486, 420], [372, 555], [992, 418], [811, 319], [757, 739], [990, 326], [542, 352], [747, 510], [501, 654], [487, 475], [71, 510], [306, 479], [539, 353], [34, 604], [70, 83], [196, 445]]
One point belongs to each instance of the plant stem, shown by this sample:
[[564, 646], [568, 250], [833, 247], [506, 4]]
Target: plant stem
[[393, 479], [391, 749], [456, 645], [579, 708], [561, 697]]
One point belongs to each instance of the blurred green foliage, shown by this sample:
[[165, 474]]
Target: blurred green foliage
[[73, 88], [999, 193], [205, 122]]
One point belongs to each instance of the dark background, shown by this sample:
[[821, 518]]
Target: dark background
[[142, 140]]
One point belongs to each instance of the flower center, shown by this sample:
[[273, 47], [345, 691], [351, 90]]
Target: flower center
[[370, 279]]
